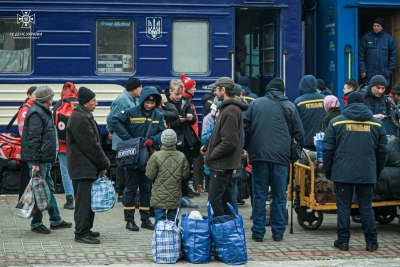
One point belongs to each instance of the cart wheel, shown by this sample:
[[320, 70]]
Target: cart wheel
[[385, 215], [309, 219]]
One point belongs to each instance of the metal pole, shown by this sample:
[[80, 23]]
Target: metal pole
[[284, 68]]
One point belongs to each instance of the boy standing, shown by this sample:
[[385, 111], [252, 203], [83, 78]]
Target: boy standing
[[167, 168]]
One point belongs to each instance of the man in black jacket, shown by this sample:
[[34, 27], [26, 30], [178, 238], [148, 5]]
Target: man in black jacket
[[224, 150], [359, 138], [183, 128], [39, 149], [85, 160], [269, 150]]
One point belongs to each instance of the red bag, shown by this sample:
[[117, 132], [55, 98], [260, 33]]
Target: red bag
[[62, 116], [10, 146]]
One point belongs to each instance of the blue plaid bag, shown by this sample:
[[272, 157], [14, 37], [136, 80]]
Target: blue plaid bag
[[166, 242], [103, 194]]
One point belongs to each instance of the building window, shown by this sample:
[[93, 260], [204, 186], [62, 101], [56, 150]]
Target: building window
[[190, 47], [114, 45], [15, 47], [268, 50]]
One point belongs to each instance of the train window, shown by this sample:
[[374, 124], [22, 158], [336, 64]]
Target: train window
[[15, 46], [190, 47], [114, 45], [268, 50]]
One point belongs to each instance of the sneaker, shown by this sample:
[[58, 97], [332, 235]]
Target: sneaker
[[147, 225], [87, 240], [372, 247], [257, 239], [63, 224], [189, 204], [241, 202], [41, 229], [277, 239], [69, 205], [356, 218], [341, 246]]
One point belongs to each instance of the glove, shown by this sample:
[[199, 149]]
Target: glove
[[150, 150], [148, 143], [328, 174]]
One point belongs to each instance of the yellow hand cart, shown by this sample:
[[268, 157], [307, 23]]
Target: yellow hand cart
[[310, 212]]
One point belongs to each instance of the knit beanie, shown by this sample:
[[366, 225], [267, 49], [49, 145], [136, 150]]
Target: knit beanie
[[237, 89], [44, 93], [396, 89], [380, 21], [276, 83], [187, 82], [321, 84], [377, 80], [330, 102], [132, 84], [168, 137], [355, 97], [85, 95], [244, 81]]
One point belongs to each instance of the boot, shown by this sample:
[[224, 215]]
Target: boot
[[69, 205]]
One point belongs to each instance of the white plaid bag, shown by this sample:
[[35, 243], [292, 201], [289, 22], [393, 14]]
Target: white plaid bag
[[103, 194], [166, 243]]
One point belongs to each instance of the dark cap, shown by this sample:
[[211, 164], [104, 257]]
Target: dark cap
[[380, 21], [225, 82], [321, 84], [85, 95], [396, 89], [355, 97], [377, 80], [276, 83], [132, 84]]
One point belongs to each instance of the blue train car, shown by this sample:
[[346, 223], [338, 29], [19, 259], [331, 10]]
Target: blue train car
[[340, 24], [100, 44]]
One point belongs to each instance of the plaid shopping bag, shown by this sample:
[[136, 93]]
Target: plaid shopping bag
[[41, 192], [103, 194], [166, 242]]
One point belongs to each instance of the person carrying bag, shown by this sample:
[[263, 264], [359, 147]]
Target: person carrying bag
[[41, 192], [228, 235]]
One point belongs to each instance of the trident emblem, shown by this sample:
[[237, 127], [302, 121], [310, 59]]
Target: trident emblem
[[154, 27]]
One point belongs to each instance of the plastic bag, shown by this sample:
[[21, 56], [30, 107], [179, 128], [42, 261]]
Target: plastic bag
[[103, 194], [41, 192], [393, 157], [26, 206]]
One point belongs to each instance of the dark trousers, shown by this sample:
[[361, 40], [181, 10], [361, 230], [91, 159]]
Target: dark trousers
[[136, 179], [83, 214], [24, 179], [220, 192], [344, 193], [120, 180], [198, 171]]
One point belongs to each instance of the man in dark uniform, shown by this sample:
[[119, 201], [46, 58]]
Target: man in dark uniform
[[359, 138], [132, 123]]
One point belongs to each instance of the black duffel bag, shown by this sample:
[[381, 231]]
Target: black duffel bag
[[388, 185]]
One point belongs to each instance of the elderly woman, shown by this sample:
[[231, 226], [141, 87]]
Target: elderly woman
[[332, 108]]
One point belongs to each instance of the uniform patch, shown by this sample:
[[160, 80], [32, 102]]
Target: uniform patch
[[358, 128]]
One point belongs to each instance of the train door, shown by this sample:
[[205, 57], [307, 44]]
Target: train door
[[257, 53], [396, 36]]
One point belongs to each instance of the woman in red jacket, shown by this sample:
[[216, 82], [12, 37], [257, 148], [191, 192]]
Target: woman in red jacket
[[25, 176]]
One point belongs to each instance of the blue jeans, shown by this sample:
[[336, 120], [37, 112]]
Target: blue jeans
[[266, 174], [67, 182], [54, 213], [162, 215], [344, 194]]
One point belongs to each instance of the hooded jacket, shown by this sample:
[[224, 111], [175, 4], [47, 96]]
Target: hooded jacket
[[377, 55], [85, 156], [326, 92], [124, 101], [378, 105], [135, 122], [355, 146], [167, 168], [245, 83], [224, 150], [207, 101], [310, 105], [267, 129]]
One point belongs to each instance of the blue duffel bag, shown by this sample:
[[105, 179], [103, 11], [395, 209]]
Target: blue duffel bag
[[228, 235], [196, 238]]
